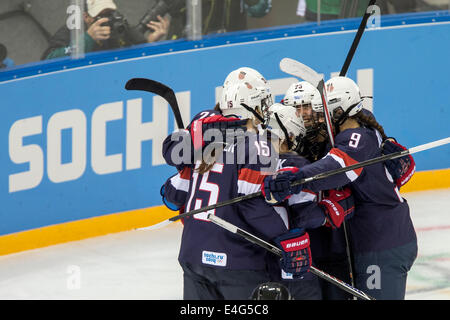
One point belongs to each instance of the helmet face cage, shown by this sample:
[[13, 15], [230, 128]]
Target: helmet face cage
[[287, 123], [316, 137], [306, 98], [265, 105], [314, 119]]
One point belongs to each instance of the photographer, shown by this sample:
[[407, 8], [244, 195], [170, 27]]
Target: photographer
[[106, 28]]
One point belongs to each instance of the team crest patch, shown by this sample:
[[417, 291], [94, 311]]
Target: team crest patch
[[214, 258]]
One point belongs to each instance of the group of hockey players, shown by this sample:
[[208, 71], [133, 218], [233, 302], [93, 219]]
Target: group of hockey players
[[354, 225]]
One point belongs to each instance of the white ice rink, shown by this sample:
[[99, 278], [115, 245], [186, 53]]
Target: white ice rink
[[142, 264]]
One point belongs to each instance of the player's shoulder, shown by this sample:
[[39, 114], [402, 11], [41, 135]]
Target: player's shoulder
[[357, 137], [205, 114], [361, 143], [255, 151]]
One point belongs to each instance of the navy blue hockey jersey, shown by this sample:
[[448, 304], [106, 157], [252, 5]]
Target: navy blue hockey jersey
[[299, 211], [206, 243], [381, 220]]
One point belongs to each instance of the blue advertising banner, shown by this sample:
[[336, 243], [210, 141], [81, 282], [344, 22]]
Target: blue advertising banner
[[75, 144]]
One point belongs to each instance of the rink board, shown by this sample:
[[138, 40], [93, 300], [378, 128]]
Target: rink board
[[76, 145]]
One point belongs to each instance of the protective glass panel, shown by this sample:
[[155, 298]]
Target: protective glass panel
[[35, 30]]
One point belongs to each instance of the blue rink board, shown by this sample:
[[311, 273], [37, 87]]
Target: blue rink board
[[410, 85]]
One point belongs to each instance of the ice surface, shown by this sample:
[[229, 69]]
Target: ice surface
[[142, 264]]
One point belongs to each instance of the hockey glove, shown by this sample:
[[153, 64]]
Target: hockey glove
[[296, 258], [401, 169], [338, 206], [218, 122], [278, 188]]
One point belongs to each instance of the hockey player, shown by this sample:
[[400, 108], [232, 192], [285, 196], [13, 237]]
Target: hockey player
[[288, 132], [218, 264], [192, 137], [382, 235], [328, 244], [306, 99]]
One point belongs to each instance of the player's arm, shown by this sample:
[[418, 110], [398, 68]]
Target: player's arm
[[175, 190], [349, 149], [179, 148], [256, 212]]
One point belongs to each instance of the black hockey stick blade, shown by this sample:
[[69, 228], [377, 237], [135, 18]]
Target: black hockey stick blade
[[160, 89], [355, 43]]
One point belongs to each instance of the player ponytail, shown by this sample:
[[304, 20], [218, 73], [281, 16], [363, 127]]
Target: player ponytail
[[207, 163]]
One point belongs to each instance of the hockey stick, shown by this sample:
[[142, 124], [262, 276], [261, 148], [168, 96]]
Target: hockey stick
[[343, 72], [159, 89], [250, 237], [322, 175], [355, 43]]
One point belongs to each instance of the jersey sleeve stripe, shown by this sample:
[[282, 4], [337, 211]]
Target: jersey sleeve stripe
[[251, 176], [245, 187], [302, 197], [179, 183], [185, 173], [345, 160]]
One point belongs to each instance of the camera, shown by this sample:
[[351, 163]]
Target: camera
[[117, 23], [159, 9]]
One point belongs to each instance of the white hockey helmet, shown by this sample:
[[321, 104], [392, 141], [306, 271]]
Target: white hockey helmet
[[343, 93], [286, 123], [299, 94], [244, 74], [246, 91], [242, 101]]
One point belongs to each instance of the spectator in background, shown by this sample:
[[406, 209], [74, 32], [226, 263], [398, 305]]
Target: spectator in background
[[403, 6], [5, 62], [106, 29], [340, 9], [331, 9], [220, 16]]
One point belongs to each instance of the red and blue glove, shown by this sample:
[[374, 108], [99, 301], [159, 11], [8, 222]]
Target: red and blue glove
[[295, 246], [401, 169], [278, 187], [218, 122], [338, 205]]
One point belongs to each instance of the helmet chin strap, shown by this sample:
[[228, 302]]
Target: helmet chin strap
[[256, 114], [337, 123], [283, 128]]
